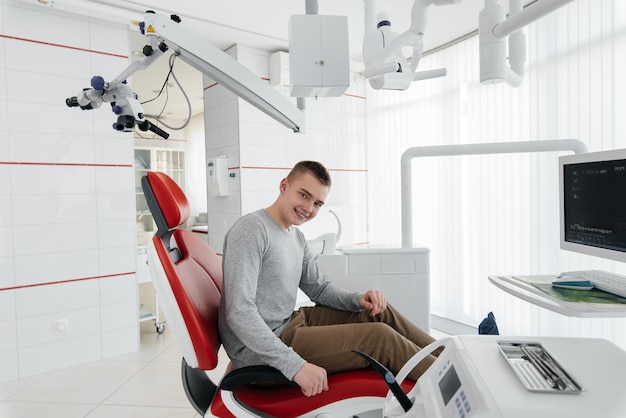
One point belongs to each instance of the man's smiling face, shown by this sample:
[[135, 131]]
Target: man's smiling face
[[301, 199]]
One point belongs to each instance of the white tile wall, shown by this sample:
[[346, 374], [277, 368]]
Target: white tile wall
[[8, 366], [54, 238], [115, 180], [60, 148], [74, 64], [118, 260], [44, 358], [111, 149], [114, 206], [112, 234], [7, 278], [28, 179], [223, 114], [6, 241], [2, 59], [8, 332], [5, 179], [33, 23], [117, 289], [55, 266], [41, 209], [56, 298], [120, 341], [119, 315], [3, 86], [109, 37], [5, 211], [39, 330], [4, 135], [67, 227], [7, 305]]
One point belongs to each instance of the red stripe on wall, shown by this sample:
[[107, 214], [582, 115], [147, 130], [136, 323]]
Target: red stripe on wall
[[109, 276], [16, 38], [354, 95], [63, 164]]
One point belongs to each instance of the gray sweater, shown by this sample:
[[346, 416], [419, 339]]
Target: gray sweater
[[263, 267]]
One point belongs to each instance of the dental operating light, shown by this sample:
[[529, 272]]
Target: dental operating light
[[386, 67]]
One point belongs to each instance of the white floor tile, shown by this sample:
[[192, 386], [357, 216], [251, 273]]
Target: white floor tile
[[108, 411], [13, 409], [158, 384], [90, 383], [9, 389]]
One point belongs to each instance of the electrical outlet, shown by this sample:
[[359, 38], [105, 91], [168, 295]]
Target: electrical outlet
[[60, 326]]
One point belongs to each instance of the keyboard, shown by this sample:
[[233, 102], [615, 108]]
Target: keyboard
[[603, 280]]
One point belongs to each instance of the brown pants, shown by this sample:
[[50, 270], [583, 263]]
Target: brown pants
[[326, 337]]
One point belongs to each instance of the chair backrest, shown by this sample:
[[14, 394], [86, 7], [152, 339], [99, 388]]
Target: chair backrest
[[186, 272]]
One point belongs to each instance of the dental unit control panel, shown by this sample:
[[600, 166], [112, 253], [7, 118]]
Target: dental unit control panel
[[478, 376]]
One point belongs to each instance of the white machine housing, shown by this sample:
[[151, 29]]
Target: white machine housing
[[318, 55], [451, 388], [488, 387]]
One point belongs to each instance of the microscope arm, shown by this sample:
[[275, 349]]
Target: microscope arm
[[165, 33]]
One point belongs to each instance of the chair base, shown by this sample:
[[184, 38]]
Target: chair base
[[199, 388]]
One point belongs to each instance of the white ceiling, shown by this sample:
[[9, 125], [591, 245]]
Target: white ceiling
[[264, 25]]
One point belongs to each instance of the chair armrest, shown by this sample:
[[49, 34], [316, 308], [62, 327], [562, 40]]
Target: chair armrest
[[254, 375]]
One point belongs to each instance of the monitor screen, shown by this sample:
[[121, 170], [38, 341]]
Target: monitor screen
[[593, 203]]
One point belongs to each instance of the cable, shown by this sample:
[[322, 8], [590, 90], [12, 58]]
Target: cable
[[165, 87]]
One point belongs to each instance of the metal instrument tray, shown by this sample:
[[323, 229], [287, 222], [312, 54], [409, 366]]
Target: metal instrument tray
[[537, 369]]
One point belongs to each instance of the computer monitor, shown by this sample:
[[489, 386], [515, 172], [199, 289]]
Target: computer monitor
[[593, 203]]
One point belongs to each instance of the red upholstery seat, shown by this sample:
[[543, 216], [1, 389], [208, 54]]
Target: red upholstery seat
[[187, 275]]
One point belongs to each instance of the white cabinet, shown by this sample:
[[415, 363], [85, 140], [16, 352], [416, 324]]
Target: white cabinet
[[400, 273], [318, 55]]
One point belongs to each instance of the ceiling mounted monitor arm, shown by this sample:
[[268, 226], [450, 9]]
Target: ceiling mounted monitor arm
[[165, 33], [493, 29], [385, 65]]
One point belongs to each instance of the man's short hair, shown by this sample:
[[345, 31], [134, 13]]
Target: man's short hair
[[313, 167]]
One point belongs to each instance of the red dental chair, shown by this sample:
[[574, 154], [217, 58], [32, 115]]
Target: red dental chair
[[187, 275]]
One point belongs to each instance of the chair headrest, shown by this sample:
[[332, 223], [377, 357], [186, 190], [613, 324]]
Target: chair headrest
[[170, 199]]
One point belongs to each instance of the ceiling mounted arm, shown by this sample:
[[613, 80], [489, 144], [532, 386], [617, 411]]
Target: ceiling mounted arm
[[493, 29]]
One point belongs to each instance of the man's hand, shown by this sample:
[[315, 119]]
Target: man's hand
[[312, 379], [374, 301]]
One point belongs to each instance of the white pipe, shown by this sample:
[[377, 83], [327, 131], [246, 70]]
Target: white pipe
[[573, 145], [369, 15], [311, 7], [425, 75], [380, 69], [527, 16]]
